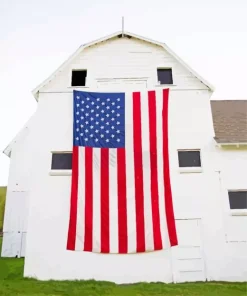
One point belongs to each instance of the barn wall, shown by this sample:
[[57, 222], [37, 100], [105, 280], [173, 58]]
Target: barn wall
[[16, 207], [201, 213], [228, 260], [200, 216], [120, 59]]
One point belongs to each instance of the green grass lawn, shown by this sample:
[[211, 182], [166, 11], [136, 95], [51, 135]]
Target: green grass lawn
[[13, 284], [2, 204]]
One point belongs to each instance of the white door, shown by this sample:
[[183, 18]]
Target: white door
[[15, 224], [11, 244], [187, 258]]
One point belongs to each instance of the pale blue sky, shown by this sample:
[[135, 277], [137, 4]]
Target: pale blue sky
[[37, 36]]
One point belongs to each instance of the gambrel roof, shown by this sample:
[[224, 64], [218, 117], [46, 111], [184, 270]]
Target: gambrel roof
[[114, 35], [35, 92]]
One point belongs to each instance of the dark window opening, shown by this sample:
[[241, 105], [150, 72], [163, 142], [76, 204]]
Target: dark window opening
[[61, 161], [237, 199], [79, 77], [165, 76], [189, 158]]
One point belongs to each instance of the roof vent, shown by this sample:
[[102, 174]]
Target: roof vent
[[124, 35]]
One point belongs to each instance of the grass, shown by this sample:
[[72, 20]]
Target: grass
[[2, 205], [12, 283]]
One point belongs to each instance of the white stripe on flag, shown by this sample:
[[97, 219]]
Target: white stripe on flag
[[130, 177], [113, 201], [163, 223], [80, 230], [148, 222], [96, 201]]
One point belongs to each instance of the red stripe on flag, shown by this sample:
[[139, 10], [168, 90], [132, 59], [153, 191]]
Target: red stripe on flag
[[154, 170], [138, 167], [73, 201], [168, 193], [104, 181], [122, 203], [88, 241]]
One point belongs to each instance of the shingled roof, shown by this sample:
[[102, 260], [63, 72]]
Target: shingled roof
[[230, 121]]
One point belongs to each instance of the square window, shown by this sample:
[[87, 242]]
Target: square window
[[165, 76], [237, 199], [79, 77], [61, 161], [190, 158]]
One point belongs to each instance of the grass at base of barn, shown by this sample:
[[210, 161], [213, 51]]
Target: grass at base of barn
[[3, 190], [13, 283]]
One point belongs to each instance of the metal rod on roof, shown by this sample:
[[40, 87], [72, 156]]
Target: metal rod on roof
[[122, 26]]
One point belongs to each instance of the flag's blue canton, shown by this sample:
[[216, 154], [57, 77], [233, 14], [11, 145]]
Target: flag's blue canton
[[99, 119]]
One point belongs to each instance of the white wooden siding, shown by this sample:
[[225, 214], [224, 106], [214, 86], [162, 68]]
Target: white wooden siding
[[232, 172], [188, 257], [11, 246], [118, 84], [16, 211], [124, 58], [15, 224]]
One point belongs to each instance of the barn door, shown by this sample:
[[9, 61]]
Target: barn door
[[11, 244], [15, 224], [187, 258]]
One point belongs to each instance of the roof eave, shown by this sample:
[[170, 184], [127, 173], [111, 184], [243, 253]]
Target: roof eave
[[227, 143], [192, 71], [7, 151], [35, 91]]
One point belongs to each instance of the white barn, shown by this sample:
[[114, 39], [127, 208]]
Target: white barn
[[208, 168]]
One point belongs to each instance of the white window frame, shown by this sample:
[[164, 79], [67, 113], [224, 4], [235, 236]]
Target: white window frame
[[70, 78], [164, 68], [236, 212], [189, 170], [53, 172]]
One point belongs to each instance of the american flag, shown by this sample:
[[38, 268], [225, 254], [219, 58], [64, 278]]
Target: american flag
[[121, 199]]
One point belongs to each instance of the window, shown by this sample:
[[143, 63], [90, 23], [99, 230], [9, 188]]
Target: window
[[61, 161], [79, 77], [165, 76], [237, 199], [189, 158]]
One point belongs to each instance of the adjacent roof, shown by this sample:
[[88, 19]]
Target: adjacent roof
[[230, 121], [114, 35]]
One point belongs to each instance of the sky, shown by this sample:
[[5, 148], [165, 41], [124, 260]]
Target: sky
[[38, 36]]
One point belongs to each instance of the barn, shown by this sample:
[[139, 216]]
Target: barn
[[208, 166]]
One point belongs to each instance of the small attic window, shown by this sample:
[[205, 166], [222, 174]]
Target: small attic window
[[78, 77], [165, 76]]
